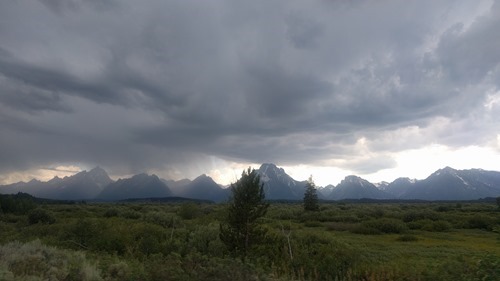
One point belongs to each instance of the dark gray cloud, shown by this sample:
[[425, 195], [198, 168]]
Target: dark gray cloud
[[164, 84]]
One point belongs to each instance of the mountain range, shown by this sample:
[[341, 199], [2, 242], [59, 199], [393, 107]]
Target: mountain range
[[444, 184]]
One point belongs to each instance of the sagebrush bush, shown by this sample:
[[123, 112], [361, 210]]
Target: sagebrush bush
[[35, 261]]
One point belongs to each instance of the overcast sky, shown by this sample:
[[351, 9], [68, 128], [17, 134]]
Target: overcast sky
[[379, 89]]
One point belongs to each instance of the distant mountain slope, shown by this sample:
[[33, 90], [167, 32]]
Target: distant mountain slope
[[83, 185], [444, 184], [451, 184], [279, 185], [33, 187], [203, 188], [138, 186], [399, 186], [326, 191], [353, 187], [176, 186]]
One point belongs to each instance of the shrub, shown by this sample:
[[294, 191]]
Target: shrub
[[429, 225], [40, 216], [189, 211], [131, 215], [378, 212], [387, 225], [205, 239], [162, 219], [437, 226], [413, 215], [34, 261], [481, 222], [111, 213], [419, 224]]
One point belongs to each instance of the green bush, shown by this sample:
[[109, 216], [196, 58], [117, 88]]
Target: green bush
[[429, 225], [481, 221], [162, 219], [189, 211], [40, 216], [113, 212], [130, 214], [437, 226], [386, 225]]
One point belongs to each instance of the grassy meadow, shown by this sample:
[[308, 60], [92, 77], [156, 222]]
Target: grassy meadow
[[180, 241]]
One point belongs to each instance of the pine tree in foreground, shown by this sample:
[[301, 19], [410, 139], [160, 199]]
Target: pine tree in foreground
[[311, 196], [240, 229]]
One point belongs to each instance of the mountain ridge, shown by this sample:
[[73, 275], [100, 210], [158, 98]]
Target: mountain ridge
[[443, 184]]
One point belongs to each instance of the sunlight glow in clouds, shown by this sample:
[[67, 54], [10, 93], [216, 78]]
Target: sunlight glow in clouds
[[43, 174]]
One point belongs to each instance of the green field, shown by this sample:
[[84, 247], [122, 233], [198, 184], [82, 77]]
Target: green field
[[180, 241]]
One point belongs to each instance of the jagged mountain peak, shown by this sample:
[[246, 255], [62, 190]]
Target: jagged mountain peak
[[444, 184], [270, 169], [404, 180], [446, 171], [55, 179], [97, 175], [352, 178], [355, 180], [268, 165], [381, 185], [354, 187], [33, 181], [278, 184], [98, 171], [138, 186], [203, 178], [143, 177]]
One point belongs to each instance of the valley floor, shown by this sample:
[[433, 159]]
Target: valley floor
[[180, 241]]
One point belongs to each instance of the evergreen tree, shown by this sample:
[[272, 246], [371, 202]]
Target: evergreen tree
[[240, 229], [311, 196]]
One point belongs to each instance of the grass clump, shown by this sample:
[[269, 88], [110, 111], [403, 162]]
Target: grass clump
[[407, 238]]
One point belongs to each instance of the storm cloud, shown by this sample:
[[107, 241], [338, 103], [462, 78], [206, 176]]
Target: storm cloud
[[165, 85]]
